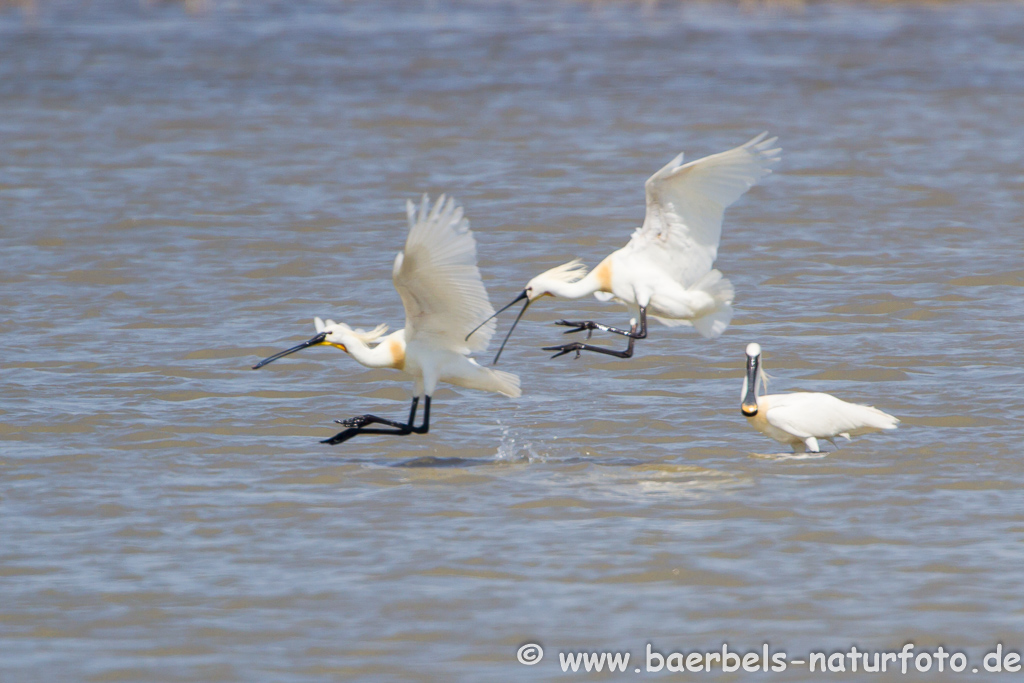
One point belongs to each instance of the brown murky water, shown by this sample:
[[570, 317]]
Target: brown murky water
[[180, 193]]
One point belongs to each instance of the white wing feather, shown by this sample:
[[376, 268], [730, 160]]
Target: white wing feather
[[438, 279], [823, 415], [686, 204]]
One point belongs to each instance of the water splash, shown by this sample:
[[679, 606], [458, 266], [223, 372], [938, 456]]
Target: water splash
[[792, 456], [512, 449]]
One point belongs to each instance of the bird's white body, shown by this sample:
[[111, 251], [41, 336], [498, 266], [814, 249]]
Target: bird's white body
[[443, 294], [667, 265], [706, 304], [423, 361], [799, 419]]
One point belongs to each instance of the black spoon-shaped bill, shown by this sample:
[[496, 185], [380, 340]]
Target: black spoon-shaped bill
[[318, 339], [749, 405], [511, 329], [522, 295]]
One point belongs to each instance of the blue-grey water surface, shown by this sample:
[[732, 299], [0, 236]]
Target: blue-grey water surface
[[183, 187]]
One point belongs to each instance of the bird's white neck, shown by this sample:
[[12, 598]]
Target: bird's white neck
[[389, 353], [597, 280]]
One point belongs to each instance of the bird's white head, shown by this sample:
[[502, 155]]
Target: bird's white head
[[752, 380], [548, 283], [330, 333], [341, 336]]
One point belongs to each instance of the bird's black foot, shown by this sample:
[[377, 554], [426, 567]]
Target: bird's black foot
[[566, 348], [363, 420], [358, 425], [398, 430], [342, 437], [358, 421], [580, 326], [579, 346]]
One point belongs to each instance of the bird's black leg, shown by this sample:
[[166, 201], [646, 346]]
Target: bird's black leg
[[632, 335], [425, 427], [364, 420], [590, 326], [579, 346], [358, 425]]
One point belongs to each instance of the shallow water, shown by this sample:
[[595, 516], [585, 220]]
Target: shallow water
[[181, 192]]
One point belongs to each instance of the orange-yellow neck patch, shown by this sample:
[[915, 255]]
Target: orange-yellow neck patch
[[603, 274], [397, 353]]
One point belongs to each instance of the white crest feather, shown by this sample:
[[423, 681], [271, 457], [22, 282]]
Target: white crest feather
[[367, 337], [762, 378], [572, 271], [371, 336]]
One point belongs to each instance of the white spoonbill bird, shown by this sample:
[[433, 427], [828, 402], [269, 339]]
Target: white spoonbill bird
[[666, 266], [801, 418], [439, 282]]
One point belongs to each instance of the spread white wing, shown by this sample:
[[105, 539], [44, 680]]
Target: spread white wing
[[686, 203], [438, 279]]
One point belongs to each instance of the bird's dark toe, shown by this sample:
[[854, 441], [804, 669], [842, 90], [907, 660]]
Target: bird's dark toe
[[564, 349], [577, 325], [341, 437]]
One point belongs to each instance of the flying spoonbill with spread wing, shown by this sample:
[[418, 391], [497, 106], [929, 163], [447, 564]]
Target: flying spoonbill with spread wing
[[665, 269], [801, 418], [439, 282]]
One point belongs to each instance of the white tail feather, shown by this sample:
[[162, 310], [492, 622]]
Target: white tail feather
[[506, 383], [475, 376], [713, 324], [872, 419]]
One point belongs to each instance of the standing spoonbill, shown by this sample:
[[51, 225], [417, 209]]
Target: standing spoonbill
[[439, 282], [666, 266], [801, 418]]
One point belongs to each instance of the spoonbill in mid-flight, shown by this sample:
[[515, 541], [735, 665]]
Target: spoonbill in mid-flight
[[439, 282], [666, 266], [801, 418]]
